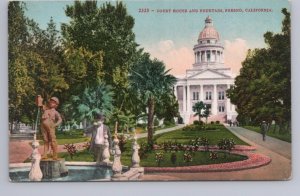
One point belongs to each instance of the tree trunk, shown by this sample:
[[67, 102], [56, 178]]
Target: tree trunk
[[150, 120]]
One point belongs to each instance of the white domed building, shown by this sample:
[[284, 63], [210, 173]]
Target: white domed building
[[208, 80]]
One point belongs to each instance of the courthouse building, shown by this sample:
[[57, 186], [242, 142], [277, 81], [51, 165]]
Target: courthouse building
[[208, 79]]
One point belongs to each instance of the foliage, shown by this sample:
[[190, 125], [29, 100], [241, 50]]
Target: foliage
[[262, 91], [213, 155], [187, 157], [92, 100], [71, 149], [107, 28], [151, 82], [226, 144], [159, 157], [122, 142], [173, 158], [197, 108]]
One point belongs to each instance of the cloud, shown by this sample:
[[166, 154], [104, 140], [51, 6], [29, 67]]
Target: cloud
[[178, 59], [181, 58], [235, 52]]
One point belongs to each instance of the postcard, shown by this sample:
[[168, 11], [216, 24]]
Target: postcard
[[149, 90]]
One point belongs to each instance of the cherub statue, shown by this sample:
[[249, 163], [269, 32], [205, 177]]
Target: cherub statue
[[49, 121]]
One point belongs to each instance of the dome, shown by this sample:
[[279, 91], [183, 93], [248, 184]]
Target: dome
[[209, 32]]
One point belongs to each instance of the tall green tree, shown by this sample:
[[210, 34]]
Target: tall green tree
[[262, 91], [151, 81], [19, 80], [107, 28]]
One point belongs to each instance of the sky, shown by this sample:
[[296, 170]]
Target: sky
[[170, 37]]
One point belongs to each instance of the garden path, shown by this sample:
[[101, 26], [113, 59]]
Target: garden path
[[142, 135], [278, 169]]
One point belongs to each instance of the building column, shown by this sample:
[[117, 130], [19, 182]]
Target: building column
[[214, 109], [199, 56], [227, 102], [188, 99], [201, 92], [205, 57], [184, 98], [175, 92], [195, 57]]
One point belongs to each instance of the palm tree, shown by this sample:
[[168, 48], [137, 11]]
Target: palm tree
[[197, 108], [151, 81], [92, 100]]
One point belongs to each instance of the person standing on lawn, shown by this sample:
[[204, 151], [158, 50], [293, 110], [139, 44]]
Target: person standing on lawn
[[98, 131], [50, 120]]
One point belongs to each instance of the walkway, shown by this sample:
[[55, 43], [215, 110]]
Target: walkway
[[278, 169], [281, 147], [142, 135]]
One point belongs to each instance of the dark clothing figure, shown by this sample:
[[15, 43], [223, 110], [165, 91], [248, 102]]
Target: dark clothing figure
[[264, 129]]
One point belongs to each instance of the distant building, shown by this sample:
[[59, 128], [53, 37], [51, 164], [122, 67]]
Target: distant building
[[208, 80]]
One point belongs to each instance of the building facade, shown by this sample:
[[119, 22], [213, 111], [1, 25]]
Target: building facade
[[208, 79]]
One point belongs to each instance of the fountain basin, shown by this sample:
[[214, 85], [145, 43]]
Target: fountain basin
[[78, 172]]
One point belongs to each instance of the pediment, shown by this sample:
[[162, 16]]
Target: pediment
[[208, 74]]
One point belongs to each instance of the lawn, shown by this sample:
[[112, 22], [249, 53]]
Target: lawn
[[199, 158], [68, 137], [184, 136], [180, 136], [285, 136]]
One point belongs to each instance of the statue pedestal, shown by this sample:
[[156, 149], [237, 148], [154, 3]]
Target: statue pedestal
[[53, 168]]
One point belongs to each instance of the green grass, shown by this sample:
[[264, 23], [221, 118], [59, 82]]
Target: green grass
[[68, 137], [285, 136], [180, 136], [199, 158], [185, 136]]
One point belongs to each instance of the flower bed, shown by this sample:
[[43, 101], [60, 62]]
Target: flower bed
[[254, 160]]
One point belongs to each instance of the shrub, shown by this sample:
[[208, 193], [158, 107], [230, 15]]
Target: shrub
[[213, 155], [71, 149], [226, 144], [173, 158], [187, 157], [196, 122], [159, 157], [169, 122]]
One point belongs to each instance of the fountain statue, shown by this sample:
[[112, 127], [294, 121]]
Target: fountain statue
[[51, 167], [117, 165], [135, 155], [35, 173]]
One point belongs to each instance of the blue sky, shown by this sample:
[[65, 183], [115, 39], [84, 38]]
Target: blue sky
[[180, 31]]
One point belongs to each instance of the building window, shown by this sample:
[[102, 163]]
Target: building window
[[195, 95], [221, 95], [208, 41], [208, 95], [221, 108]]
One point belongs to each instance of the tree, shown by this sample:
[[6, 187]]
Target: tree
[[20, 82], [262, 91], [167, 108], [93, 100], [108, 28], [151, 82], [198, 109]]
